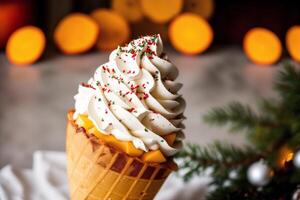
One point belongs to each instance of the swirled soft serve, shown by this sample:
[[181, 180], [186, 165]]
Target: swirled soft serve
[[134, 97]]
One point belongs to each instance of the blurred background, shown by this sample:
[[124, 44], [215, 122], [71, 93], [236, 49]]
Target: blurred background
[[48, 47]]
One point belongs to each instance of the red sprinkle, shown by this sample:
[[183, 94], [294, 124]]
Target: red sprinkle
[[87, 85], [131, 109], [146, 96]]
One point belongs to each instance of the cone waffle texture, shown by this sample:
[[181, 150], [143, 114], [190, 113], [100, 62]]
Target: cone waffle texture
[[97, 171]]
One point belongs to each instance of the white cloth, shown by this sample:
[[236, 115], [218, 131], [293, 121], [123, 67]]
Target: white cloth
[[47, 180]]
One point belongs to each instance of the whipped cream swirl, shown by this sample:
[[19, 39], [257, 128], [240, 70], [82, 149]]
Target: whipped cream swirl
[[134, 96]]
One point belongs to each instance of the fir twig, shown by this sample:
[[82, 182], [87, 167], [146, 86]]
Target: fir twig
[[237, 115], [195, 159], [288, 86], [276, 126]]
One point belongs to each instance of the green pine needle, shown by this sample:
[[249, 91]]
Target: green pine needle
[[241, 116], [288, 86], [194, 159], [238, 116], [274, 125]]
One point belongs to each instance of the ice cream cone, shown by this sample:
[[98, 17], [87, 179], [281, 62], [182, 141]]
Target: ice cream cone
[[99, 171]]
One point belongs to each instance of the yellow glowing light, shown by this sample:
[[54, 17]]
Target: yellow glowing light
[[285, 154]]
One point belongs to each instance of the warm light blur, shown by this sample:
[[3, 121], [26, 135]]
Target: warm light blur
[[285, 154], [262, 46], [210, 23]]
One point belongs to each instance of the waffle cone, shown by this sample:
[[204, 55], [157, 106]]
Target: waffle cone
[[99, 171]]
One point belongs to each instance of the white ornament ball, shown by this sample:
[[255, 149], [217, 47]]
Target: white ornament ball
[[233, 174], [296, 195], [259, 173], [296, 159], [227, 183]]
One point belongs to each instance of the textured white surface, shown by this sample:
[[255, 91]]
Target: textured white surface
[[34, 100]]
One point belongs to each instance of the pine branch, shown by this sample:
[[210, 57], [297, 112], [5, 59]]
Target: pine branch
[[246, 191], [276, 125], [194, 159], [232, 192], [294, 142], [238, 116], [270, 108], [282, 187], [267, 130], [288, 86], [288, 80]]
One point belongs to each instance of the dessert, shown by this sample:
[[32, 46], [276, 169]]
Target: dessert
[[126, 126]]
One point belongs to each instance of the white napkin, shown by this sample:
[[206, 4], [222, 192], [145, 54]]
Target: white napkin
[[48, 181]]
